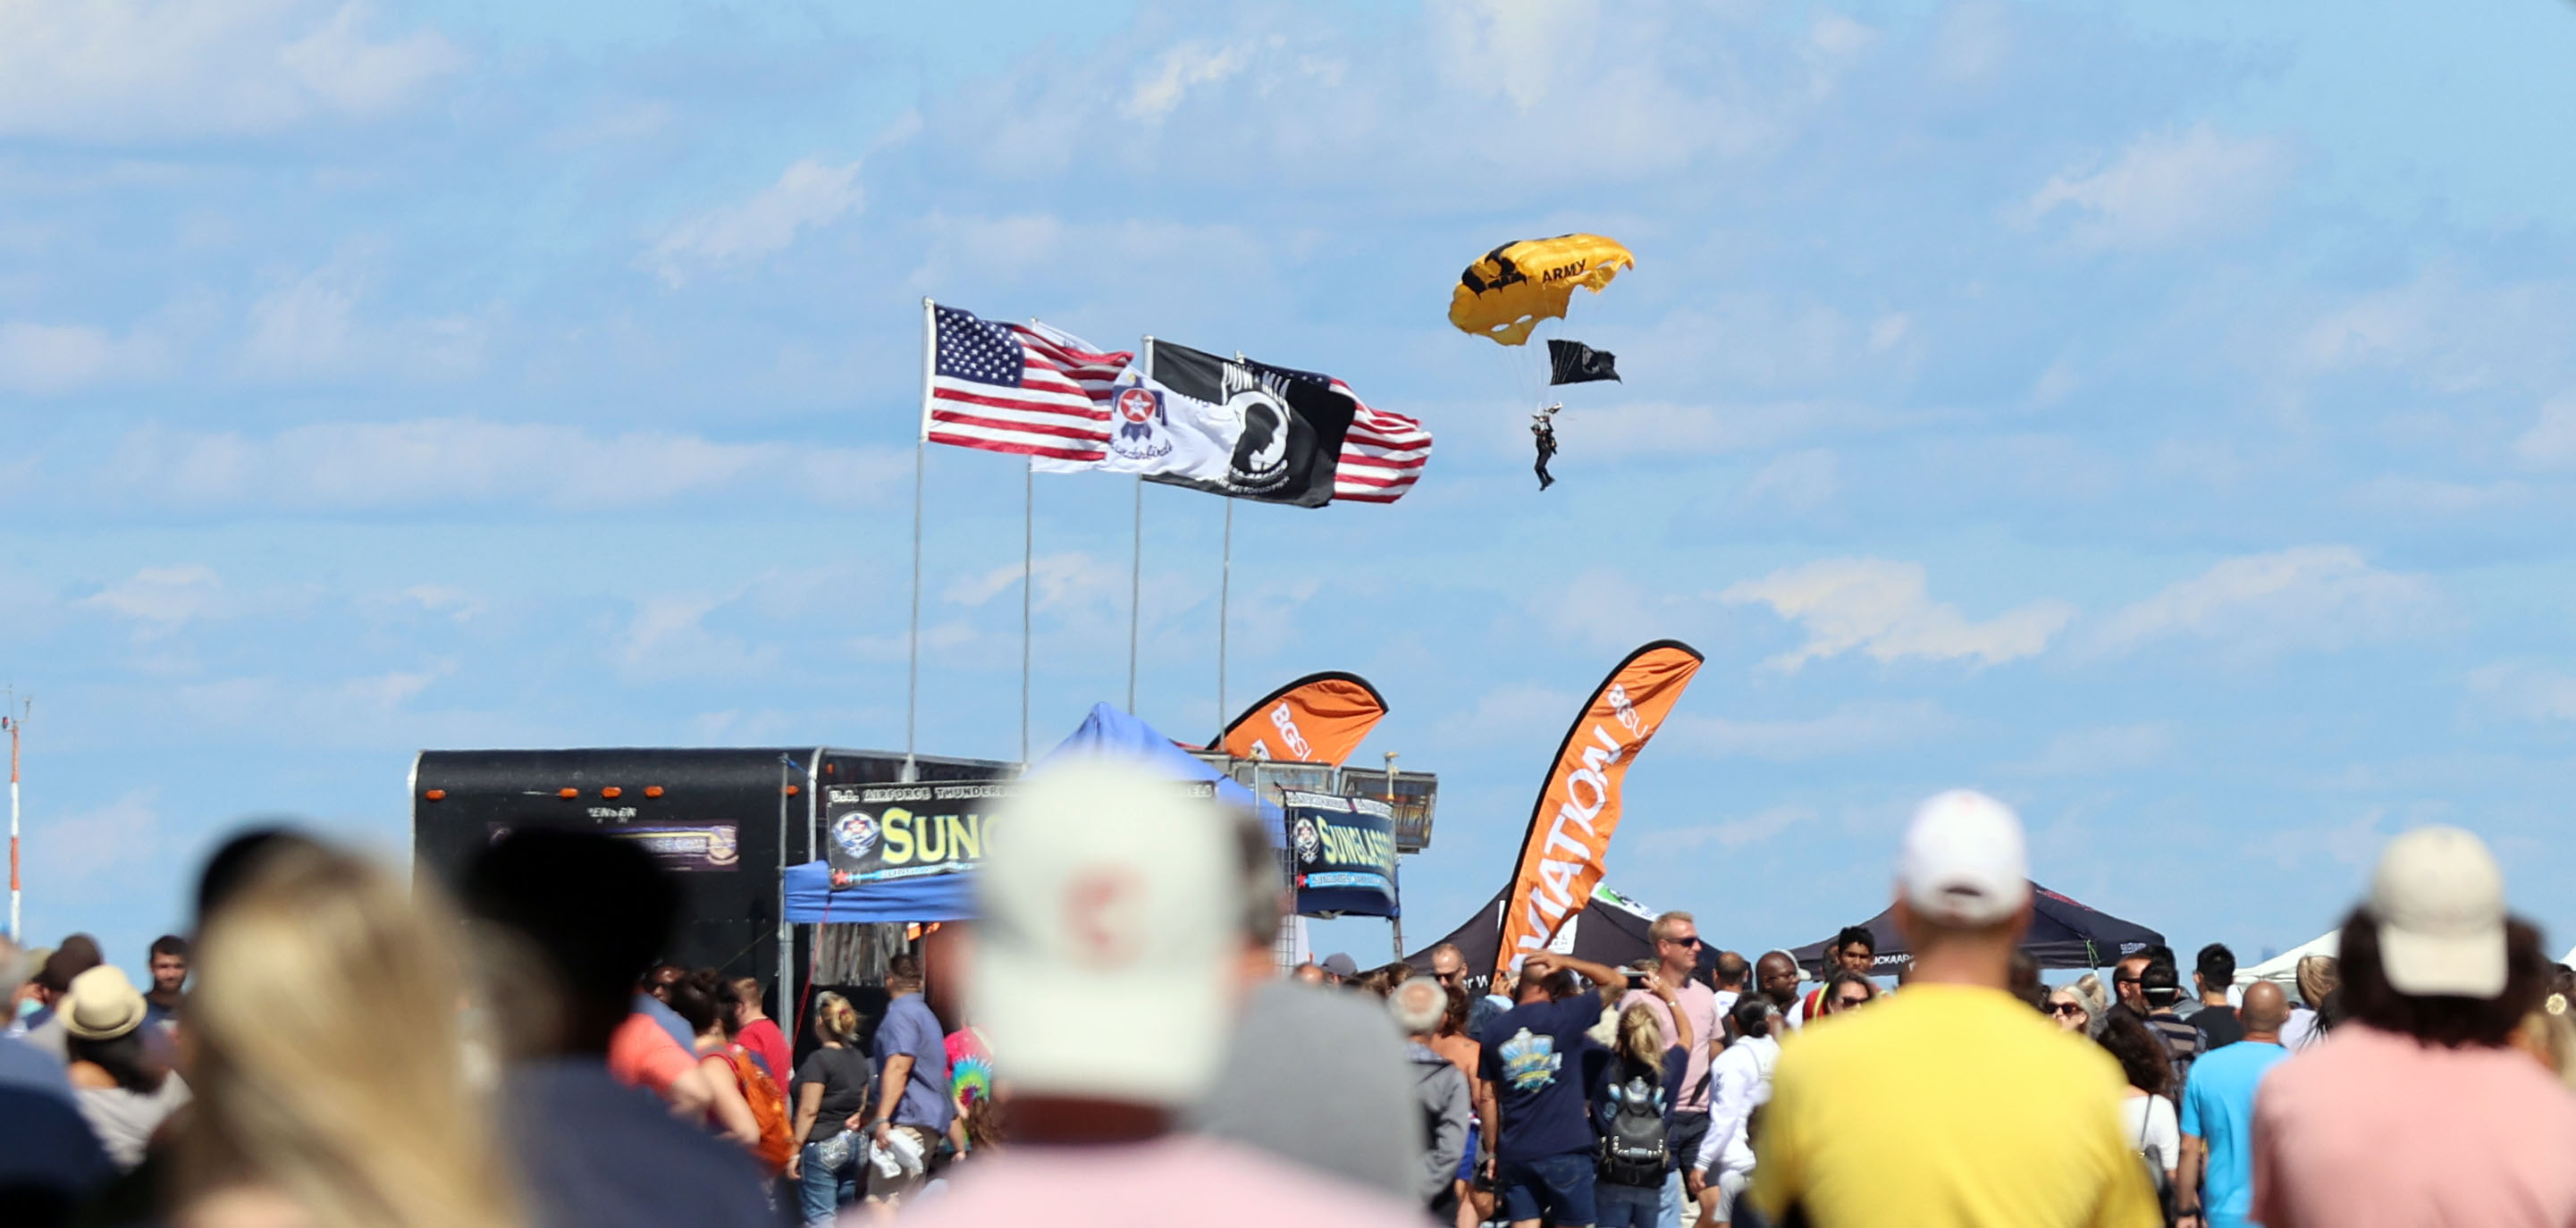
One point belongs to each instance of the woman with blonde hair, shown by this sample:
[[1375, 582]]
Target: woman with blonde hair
[[329, 1059], [831, 1090], [1639, 1086]]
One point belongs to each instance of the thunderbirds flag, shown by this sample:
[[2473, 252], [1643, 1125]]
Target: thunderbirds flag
[[1578, 808], [1250, 430]]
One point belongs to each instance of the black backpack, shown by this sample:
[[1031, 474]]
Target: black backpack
[[1633, 1150]]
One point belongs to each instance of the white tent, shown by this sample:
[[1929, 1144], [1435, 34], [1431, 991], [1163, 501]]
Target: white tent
[[2570, 960], [2283, 969]]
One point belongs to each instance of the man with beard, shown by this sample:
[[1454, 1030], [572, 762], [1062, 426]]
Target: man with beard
[[1775, 976]]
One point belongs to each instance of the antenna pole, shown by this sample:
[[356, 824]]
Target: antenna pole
[[15, 723]]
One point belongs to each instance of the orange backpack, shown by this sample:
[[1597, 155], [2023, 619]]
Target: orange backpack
[[768, 1108]]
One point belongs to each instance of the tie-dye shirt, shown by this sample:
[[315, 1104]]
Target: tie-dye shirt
[[970, 1068]]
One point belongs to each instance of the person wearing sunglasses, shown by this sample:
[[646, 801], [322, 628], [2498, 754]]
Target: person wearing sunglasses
[[1847, 991], [2127, 985], [1677, 950], [2068, 1009]]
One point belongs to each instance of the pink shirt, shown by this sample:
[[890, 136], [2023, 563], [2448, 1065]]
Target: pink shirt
[[1699, 1004], [1170, 1180], [2372, 1128]]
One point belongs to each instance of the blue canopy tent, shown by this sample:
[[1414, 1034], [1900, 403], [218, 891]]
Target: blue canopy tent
[[1105, 734]]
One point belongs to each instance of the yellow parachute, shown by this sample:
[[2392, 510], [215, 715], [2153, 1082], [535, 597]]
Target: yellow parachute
[[1506, 294]]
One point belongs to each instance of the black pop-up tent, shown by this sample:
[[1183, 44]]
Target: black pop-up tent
[[2063, 934], [1610, 929]]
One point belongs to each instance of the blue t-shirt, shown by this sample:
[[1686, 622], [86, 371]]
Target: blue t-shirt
[[1533, 1055], [661, 1013], [600, 1154], [2218, 1109], [909, 1027]]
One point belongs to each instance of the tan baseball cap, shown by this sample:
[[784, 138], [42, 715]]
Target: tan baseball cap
[[1110, 931], [2439, 900]]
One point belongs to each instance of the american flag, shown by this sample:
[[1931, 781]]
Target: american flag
[[1025, 389], [1382, 455]]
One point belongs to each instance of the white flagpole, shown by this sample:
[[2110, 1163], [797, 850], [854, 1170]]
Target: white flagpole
[[1224, 594], [1028, 559], [1136, 573], [920, 462]]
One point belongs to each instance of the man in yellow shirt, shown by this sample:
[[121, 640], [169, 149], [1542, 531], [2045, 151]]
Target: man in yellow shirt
[[1952, 1103]]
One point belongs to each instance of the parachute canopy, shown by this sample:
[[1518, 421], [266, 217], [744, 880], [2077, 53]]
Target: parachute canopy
[[1506, 294]]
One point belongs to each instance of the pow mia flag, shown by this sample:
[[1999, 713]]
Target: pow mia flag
[[1572, 362], [1281, 429]]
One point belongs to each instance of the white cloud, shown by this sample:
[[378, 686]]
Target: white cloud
[[2309, 597], [809, 196], [1885, 609], [1160, 88], [1602, 606], [668, 637], [1729, 833], [1836, 35], [164, 597], [350, 74], [2452, 332], [1849, 729], [2526, 691], [2109, 748], [2166, 189], [78, 846], [118, 70], [456, 603], [1514, 47], [2551, 441], [449, 462], [1057, 580], [310, 328], [1796, 482], [1889, 329], [51, 358]]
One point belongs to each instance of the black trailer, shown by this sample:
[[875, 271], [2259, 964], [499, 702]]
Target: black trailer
[[729, 820]]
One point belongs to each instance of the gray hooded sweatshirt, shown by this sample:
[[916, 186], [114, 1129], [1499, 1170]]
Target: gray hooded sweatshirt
[[1446, 1106]]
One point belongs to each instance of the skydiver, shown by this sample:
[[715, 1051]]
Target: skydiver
[[1543, 429]]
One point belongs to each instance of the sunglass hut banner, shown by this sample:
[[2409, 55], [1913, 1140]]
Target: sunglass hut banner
[[880, 832], [1345, 853]]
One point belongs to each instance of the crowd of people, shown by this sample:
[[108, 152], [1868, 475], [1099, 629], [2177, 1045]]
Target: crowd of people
[[332, 1044]]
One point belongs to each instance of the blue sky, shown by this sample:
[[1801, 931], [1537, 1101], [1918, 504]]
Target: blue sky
[[2161, 416]]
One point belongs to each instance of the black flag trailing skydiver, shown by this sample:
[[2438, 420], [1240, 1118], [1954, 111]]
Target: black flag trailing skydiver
[[1543, 429]]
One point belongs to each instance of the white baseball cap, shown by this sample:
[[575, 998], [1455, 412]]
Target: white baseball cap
[[2439, 901], [1111, 928], [1964, 864]]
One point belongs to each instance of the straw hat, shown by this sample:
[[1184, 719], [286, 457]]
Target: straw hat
[[102, 1005]]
